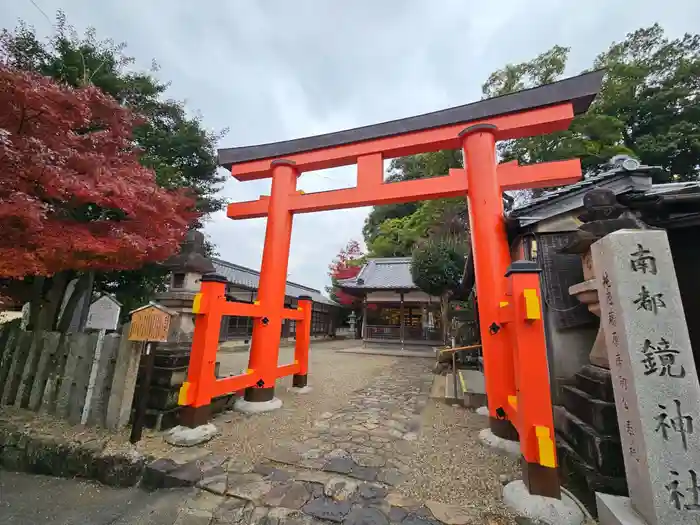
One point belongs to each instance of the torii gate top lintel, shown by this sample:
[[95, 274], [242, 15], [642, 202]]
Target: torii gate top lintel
[[534, 111]]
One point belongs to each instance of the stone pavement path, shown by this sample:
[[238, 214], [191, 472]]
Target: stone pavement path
[[344, 470]]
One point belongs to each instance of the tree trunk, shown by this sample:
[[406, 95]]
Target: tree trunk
[[444, 317], [49, 304], [81, 286]]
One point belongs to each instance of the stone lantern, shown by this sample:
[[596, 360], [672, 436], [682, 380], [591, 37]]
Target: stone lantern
[[186, 271], [602, 215]]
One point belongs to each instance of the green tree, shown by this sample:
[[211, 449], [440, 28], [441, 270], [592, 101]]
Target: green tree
[[174, 144], [647, 106], [437, 266], [393, 230]]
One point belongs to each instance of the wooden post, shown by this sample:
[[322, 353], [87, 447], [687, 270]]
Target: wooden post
[[144, 390], [401, 322], [149, 324]]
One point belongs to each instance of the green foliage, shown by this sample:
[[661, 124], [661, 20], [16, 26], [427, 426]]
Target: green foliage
[[393, 230], [174, 144], [437, 264], [647, 106]]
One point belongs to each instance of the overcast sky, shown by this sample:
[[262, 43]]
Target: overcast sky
[[280, 69]]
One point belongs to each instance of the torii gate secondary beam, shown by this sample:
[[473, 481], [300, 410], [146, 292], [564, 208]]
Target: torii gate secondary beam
[[372, 191]]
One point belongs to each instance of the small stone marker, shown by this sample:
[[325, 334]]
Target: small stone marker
[[104, 314], [656, 388]]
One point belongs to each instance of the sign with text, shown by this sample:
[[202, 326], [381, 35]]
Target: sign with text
[[657, 394], [104, 314], [150, 323]]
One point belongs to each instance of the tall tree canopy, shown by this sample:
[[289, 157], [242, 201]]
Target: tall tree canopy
[[173, 144], [648, 105], [392, 230], [73, 195]]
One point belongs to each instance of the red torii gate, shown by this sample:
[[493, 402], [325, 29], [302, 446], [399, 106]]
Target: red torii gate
[[515, 359]]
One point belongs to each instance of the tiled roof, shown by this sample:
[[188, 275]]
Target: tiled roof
[[618, 179], [584, 185], [384, 273], [249, 278]]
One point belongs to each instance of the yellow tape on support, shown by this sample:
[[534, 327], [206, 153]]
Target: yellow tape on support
[[503, 304], [545, 444], [256, 302], [513, 402], [197, 303], [532, 304], [182, 395]]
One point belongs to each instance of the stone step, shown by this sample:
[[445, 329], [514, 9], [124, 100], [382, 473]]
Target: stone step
[[596, 382], [582, 480], [603, 453], [601, 415], [471, 388]]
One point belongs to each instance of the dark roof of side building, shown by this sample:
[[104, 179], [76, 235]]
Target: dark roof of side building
[[634, 188], [249, 278]]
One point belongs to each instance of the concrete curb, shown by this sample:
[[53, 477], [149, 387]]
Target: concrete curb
[[24, 451]]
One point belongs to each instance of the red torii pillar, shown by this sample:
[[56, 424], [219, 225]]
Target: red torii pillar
[[491, 254], [267, 331]]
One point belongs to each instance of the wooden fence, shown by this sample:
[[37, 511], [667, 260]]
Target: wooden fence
[[50, 372]]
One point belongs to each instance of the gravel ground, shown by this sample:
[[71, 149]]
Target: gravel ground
[[450, 465], [241, 435]]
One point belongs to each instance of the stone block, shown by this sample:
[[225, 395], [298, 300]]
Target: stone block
[[601, 415], [583, 480], [596, 382], [617, 510], [604, 453], [155, 471]]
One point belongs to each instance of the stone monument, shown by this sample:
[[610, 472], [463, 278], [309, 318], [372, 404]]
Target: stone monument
[[655, 382], [588, 436], [186, 269]]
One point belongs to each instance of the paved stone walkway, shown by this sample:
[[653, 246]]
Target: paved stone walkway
[[344, 470]]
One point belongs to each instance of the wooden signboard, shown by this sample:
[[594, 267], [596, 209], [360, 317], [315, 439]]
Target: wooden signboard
[[150, 323]]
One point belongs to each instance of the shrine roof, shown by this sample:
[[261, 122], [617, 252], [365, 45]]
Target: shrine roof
[[249, 278], [567, 198], [579, 90], [388, 273]]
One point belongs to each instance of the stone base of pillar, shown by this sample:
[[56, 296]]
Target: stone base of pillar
[[483, 411], [541, 509], [257, 407], [506, 446], [302, 390]]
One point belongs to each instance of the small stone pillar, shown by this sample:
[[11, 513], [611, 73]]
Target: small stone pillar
[[186, 271]]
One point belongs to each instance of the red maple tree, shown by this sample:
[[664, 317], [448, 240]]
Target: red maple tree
[[346, 265], [73, 195]]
